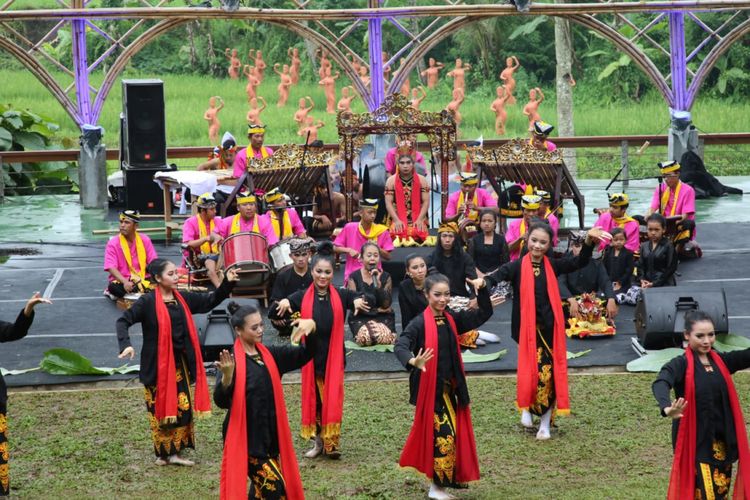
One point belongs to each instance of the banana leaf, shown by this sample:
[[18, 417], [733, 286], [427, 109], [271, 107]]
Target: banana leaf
[[16, 372], [726, 342], [573, 355], [373, 348], [61, 361], [654, 360], [470, 357]]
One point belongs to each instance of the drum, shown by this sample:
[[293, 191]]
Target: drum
[[248, 254], [280, 256]]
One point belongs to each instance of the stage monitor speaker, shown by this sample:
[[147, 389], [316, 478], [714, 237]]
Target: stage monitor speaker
[[141, 192], [660, 316], [144, 138], [215, 334]]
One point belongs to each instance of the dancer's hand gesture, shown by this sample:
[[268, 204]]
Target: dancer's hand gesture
[[421, 359], [677, 409]]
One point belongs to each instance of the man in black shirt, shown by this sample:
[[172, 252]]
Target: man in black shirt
[[289, 280]]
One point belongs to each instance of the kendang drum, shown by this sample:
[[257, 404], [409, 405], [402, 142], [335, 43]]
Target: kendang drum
[[248, 254], [280, 256]]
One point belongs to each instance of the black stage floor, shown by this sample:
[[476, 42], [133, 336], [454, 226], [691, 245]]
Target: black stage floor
[[83, 320]]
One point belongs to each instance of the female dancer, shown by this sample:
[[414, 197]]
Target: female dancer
[[171, 358], [441, 442], [257, 441], [8, 333], [708, 428], [411, 298], [378, 326], [537, 324], [323, 379]]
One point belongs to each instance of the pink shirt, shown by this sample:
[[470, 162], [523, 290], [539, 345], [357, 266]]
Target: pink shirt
[[632, 231], [191, 231], [225, 228], [390, 160], [240, 161], [350, 237], [512, 234], [297, 226], [685, 205], [554, 223], [114, 258], [484, 199]]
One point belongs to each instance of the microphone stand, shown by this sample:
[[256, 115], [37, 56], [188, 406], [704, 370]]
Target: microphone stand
[[433, 177]]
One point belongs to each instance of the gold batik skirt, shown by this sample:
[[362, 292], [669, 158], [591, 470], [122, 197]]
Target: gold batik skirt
[[545, 388], [266, 479], [332, 436], [444, 462], [712, 480]]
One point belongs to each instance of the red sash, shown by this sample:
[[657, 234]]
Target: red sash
[[682, 479], [419, 447], [333, 393], [234, 459], [166, 378], [527, 376], [416, 206]]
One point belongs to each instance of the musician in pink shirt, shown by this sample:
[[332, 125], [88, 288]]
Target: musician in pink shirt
[[247, 220], [256, 149], [676, 199], [469, 198], [355, 234], [126, 257], [515, 236], [545, 212], [279, 215], [616, 217]]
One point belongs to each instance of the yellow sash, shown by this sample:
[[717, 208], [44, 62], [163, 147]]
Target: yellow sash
[[207, 247], [141, 254], [287, 224], [263, 152], [621, 221], [473, 214], [665, 198], [375, 231], [236, 224]]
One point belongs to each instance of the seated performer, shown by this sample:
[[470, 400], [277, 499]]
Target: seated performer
[[616, 217], [406, 145], [407, 203], [222, 158], [618, 261], [539, 135], [256, 149], [488, 249], [126, 257], [546, 213], [588, 285], [450, 259], [329, 212], [289, 280], [464, 205], [378, 325], [284, 221], [247, 220], [355, 234], [515, 236], [199, 235], [411, 297], [677, 199]]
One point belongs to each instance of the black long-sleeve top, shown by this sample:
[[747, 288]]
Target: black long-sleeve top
[[323, 316], [287, 282], [262, 433], [487, 258], [412, 340], [658, 264], [457, 268], [8, 333], [619, 267], [512, 272], [144, 311], [713, 413], [411, 302], [590, 278]]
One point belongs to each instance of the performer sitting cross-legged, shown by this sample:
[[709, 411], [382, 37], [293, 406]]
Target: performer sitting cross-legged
[[126, 257], [464, 205], [293, 278], [257, 440], [441, 441], [199, 234], [284, 221], [677, 199], [616, 216], [407, 199], [247, 220]]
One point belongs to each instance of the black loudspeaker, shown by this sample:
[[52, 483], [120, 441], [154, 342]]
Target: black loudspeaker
[[215, 334], [660, 316], [143, 135], [141, 192]]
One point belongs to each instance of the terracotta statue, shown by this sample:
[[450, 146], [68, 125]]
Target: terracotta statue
[[406, 86], [432, 73], [498, 106], [455, 104], [253, 115], [212, 117], [364, 76], [355, 62], [506, 76], [531, 110], [310, 128], [347, 96], [386, 67], [329, 87], [302, 110], [324, 63], [260, 64], [416, 100], [458, 74], [284, 84], [294, 64], [252, 81], [234, 64]]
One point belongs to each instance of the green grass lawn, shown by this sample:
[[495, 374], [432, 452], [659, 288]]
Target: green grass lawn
[[96, 444]]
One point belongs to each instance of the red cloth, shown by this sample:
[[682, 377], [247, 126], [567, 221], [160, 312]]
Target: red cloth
[[166, 378], [419, 448], [682, 479], [333, 394], [416, 206], [234, 459], [527, 376]]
